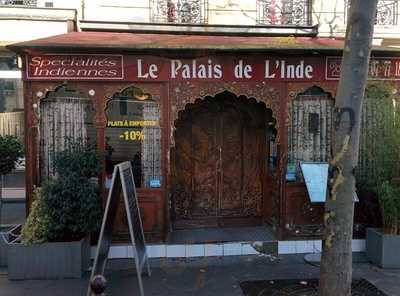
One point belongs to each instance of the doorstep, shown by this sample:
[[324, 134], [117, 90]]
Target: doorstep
[[226, 249], [225, 241]]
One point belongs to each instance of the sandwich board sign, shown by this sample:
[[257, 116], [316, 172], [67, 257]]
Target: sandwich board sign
[[122, 185]]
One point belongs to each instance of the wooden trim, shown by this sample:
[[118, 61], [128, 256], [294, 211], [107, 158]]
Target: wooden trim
[[165, 152], [282, 152]]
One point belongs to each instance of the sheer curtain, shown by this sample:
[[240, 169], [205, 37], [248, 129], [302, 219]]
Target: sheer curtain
[[61, 120], [151, 148], [305, 143]]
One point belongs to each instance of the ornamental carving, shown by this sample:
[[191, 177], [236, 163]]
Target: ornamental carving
[[183, 93]]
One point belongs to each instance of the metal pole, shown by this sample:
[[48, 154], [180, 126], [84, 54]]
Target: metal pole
[[1, 195]]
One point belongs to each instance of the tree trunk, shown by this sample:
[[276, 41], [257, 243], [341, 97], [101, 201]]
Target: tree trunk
[[336, 262]]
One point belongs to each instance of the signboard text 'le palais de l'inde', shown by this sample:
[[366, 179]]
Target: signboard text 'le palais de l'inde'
[[148, 68], [219, 68]]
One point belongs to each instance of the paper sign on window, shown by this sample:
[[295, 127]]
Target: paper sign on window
[[316, 178]]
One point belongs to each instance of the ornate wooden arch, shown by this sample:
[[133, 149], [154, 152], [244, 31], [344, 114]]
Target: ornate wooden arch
[[296, 89], [111, 89], [40, 92], [184, 93]]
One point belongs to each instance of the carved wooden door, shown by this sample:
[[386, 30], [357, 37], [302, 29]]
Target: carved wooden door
[[204, 158], [230, 166], [218, 166]]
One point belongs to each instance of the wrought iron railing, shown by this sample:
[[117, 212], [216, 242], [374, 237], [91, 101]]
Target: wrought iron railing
[[386, 14], [284, 12], [19, 2], [179, 11]]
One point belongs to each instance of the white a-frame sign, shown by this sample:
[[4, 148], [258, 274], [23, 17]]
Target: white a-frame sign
[[122, 179]]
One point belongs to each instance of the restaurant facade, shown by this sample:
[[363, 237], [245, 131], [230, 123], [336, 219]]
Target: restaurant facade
[[215, 126]]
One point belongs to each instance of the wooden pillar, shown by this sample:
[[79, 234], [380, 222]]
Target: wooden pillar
[[282, 153]]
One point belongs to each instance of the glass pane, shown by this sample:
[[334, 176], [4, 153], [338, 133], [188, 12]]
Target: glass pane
[[65, 115], [8, 63], [309, 130], [11, 108], [133, 134]]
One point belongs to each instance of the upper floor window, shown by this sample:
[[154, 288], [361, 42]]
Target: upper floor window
[[386, 12], [179, 11], [284, 12], [19, 2]]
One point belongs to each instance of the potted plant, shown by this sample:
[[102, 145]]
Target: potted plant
[[55, 238], [383, 244], [382, 152], [10, 151]]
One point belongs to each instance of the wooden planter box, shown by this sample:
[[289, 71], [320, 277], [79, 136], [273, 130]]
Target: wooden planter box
[[383, 249], [49, 261]]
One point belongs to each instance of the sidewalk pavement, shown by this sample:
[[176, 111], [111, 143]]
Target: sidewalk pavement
[[209, 276]]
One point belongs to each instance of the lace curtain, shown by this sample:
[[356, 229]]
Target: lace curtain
[[310, 128], [151, 147], [61, 119]]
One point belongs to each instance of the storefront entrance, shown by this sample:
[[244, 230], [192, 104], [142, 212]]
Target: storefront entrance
[[219, 162]]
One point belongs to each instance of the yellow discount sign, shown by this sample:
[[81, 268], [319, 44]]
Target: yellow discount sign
[[132, 136]]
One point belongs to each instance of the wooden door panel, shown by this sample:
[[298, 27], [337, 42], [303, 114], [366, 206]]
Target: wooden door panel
[[204, 161], [218, 162], [230, 135], [182, 171], [253, 150]]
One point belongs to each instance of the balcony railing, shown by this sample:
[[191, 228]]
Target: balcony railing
[[284, 12], [179, 11], [386, 14], [19, 2]]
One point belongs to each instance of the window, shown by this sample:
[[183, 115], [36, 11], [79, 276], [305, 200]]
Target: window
[[65, 115], [179, 11], [133, 134], [386, 14], [11, 98], [284, 12], [19, 2], [310, 128]]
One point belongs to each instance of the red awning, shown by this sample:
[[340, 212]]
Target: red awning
[[117, 42]]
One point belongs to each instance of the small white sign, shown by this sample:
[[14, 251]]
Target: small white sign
[[316, 178]]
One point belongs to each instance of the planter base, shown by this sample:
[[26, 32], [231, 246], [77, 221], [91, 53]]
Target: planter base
[[383, 249], [3, 250], [49, 261]]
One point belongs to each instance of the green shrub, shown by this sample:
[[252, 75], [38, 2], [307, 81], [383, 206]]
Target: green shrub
[[10, 150], [379, 158], [35, 229], [72, 207], [69, 203], [389, 196], [78, 159]]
